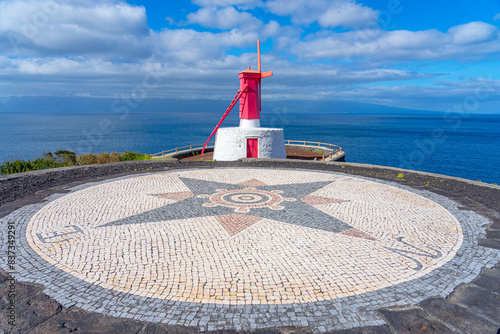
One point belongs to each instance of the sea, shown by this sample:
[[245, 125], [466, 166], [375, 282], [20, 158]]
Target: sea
[[462, 145]]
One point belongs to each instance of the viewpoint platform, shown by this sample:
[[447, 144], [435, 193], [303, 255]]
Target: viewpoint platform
[[248, 248]]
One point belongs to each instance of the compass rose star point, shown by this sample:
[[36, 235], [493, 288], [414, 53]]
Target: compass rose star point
[[251, 198]]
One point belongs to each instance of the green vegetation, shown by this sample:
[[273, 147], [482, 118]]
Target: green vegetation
[[64, 158], [400, 176], [128, 156]]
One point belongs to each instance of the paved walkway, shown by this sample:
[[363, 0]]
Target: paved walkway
[[245, 249]]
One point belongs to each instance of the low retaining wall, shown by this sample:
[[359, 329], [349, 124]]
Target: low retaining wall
[[326, 151], [316, 149], [15, 186], [188, 153]]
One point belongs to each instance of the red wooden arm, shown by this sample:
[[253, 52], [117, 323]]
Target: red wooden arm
[[235, 100]]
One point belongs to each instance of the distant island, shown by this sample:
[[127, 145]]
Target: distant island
[[79, 105]]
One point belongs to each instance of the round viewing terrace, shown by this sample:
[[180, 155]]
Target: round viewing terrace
[[296, 149], [167, 245]]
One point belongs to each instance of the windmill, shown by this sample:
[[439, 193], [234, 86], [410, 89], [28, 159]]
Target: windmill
[[248, 140]]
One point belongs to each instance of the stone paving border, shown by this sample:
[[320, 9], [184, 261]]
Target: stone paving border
[[471, 308]]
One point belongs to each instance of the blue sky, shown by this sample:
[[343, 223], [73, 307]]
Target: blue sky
[[421, 54]]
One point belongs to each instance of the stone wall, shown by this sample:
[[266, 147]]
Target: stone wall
[[16, 186]]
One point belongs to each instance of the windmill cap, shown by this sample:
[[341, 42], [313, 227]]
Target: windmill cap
[[249, 71]]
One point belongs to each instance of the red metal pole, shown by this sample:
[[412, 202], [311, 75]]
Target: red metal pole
[[259, 70], [258, 56]]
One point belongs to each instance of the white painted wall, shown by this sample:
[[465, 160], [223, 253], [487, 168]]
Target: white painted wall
[[231, 144], [249, 123]]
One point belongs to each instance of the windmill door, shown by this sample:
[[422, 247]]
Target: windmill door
[[252, 148]]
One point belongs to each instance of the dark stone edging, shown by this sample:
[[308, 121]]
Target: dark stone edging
[[16, 186], [471, 308]]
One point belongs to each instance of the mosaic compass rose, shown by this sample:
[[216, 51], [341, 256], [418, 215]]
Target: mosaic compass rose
[[239, 206], [243, 200], [242, 238]]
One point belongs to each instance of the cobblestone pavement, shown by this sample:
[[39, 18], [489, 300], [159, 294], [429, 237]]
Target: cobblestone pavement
[[243, 248]]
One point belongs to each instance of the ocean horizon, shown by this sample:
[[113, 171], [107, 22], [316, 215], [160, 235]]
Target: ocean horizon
[[458, 145]]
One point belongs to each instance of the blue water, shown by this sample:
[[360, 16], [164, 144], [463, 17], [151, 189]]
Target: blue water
[[467, 147]]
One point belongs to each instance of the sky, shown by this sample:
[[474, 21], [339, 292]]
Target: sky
[[419, 54]]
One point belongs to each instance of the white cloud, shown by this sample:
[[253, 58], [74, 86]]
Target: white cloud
[[302, 12], [474, 32], [348, 14], [61, 68], [272, 28], [73, 27], [224, 18], [471, 95], [496, 17], [327, 78], [471, 41], [239, 3], [188, 46], [215, 78], [53, 76], [105, 48], [345, 13]]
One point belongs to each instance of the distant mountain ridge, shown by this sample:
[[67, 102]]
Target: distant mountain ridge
[[82, 105]]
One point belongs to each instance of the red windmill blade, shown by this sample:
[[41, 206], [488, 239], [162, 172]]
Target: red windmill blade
[[249, 96], [262, 75]]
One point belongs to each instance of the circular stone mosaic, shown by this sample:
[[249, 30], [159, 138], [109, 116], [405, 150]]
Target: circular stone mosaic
[[265, 237], [245, 237]]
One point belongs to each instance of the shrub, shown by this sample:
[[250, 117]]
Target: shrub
[[63, 158], [15, 166], [44, 163], [115, 157], [87, 159], [20, 166], [104, 158], [67, 158], [127, 156], [59, 152], [48, 156]]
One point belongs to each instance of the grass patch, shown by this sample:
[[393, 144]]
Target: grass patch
[[64, 158]]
